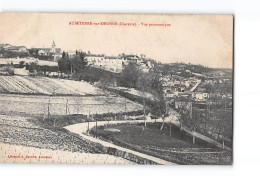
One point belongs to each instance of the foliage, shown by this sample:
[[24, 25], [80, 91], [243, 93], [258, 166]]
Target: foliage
[[130, 75], [72, 65], [11, 54], [33, 67], [217, 87], [133, 77], [64, 63], [77, 63]]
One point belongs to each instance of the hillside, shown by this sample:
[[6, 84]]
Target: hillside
[[45, 85], [35, 95]]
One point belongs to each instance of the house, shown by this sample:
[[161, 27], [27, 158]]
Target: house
[[57, 56], [53, 51], [4, 46], [44, 51], [94, 59], [54, 74], [17, 49], [116, 64], [131, 57], [200, 95], [170, 91], [187, 84], [215, 95]]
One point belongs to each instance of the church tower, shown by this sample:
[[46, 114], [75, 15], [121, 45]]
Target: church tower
[[53, 47]]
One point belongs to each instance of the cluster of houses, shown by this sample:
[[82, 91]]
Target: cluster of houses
[[16, 49], [53, 51], [110, 63], [177, 88], [173, 85], [117, 63]]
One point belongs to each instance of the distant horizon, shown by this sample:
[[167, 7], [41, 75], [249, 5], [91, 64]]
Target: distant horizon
[[177, 61]]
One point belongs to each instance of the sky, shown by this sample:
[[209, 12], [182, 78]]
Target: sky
[[196, 39]]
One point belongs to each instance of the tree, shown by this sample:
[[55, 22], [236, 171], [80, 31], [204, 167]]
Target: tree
[[21, 64], [182, 116], [210, 88], [106, 80], [130, 75], [34, 68], [77, 64], [194, 122], [64, 63], [63, 55], [189, 116], [150, 83], [224, 123], [164, 113], [10, 69], [78, 100]]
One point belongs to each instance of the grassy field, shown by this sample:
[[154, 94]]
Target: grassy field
[[177, 148]]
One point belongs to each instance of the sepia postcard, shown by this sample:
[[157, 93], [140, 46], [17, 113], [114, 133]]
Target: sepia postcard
[[78, 88]]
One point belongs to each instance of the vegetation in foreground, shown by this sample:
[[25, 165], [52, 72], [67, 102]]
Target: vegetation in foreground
[[175, 145], [18, 130]]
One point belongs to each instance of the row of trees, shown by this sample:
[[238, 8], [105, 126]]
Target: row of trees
[[74, 65], [215, 118]]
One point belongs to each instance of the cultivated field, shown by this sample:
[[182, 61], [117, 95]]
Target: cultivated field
[[56, 105], [23, 139], [83, 97], [17, 130], [23, 99], [45, 85]]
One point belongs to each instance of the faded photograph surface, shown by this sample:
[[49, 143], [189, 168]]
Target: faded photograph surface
[[81, 88]]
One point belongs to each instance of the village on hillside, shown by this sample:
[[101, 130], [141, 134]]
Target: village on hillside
[[179, 113], [53, 54]]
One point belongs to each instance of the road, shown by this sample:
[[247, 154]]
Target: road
[[82, 127], [205, 138], [195, 86]]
